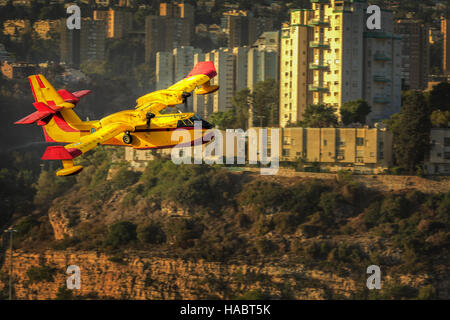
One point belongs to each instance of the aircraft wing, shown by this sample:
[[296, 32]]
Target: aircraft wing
[[199, 76], [69, 152]]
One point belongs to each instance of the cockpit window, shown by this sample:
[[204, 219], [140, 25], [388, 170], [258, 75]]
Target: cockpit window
[[191, 121]]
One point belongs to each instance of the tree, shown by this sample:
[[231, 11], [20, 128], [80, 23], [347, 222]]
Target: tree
[[265, 99], [241, 104], [440, 118], [411, 130], [440, 97], [121, 233], [151, 233], [223, 119], [355, 112], [319, 116]]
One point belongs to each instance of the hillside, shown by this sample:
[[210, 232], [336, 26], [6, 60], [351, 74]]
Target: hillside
[[198, 232]]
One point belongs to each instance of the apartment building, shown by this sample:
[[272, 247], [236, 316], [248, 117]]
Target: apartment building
[[262, 65], [164, 33], [415, 53], [329, 57], [45, 28], [295, 57], [84, 44], [164, 70], [439, 158], [174, 66], [361, 150], [118, 22]]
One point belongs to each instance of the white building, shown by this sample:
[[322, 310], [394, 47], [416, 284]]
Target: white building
[[164, 70], [262, 65], [174, 66], [347, 61]]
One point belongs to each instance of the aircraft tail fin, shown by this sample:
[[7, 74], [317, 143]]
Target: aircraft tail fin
[[48, 101]]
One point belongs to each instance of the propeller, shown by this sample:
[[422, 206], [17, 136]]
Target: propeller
[[149, 117], [185, 95]]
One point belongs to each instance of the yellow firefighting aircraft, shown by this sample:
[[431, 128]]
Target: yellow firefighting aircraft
[[142, 128]]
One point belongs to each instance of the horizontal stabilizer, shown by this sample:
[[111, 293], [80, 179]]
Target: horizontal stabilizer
[[67, 96], [42, 112], [60, 153], [35, 116], [73, 97], [81, 94]]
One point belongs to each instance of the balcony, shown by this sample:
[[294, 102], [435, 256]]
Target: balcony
[[314, 66], [381, 57], [317, 88], [380, 79], [319, 45], [319, 23], [381, 100]]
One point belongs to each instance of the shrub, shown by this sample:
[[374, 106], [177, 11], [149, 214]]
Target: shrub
[[121, 233], [64, 294], [264, 197], [265, 247], [151, 233], [427, 293], [184, 231], [39, 274], [124, 177]]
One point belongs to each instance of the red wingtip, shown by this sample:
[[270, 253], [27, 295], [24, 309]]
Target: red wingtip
[[205, 67]]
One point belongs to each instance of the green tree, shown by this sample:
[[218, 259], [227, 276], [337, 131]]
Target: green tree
[[355, 112], [241, 104], [121, 233], [411, 130], [223, 119], [151, 233], [49, 187], [440, 118], [319, 116], [265, 100]]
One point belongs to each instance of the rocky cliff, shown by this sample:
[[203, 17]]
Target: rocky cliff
[[136, 277]]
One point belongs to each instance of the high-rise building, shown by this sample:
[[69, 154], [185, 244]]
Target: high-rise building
[[262, 65], [84, 44], [164, 70], [240, 62], [183, 61], [174, 66], [295, 75], [240, 28], [118, 22], [445, 30], [330, 51], [269, 40], [415, 53], [199, 101], [224, 62], [163, 33]]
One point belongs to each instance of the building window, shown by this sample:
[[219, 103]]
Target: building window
[[359, 142], [447, 155], [286, 152], [446, 142], [324, 142]]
